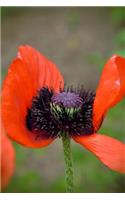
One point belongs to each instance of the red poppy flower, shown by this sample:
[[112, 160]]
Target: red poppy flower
[[37, 108], [7, 160]]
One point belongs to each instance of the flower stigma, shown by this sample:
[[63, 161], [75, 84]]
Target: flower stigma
[[70, 101]]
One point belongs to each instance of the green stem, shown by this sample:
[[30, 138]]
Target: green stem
[[68, 162]]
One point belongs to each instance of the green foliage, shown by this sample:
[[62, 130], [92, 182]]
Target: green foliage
[[96, 59], [120, 38], [120, 52], [28, 182], [11, 11], [118, 18], [118, 15], [73, 19]]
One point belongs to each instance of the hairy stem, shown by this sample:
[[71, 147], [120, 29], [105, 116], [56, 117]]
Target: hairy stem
[[68, 162]]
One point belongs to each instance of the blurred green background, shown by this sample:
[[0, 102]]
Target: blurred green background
[[79, 40]]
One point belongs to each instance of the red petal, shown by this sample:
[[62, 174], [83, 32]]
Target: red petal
[[111, 88], [109, 151], [29, 72], [43, 72], [7, 160]]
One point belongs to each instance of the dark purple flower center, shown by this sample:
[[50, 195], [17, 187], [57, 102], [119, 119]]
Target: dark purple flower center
[[69, 111]]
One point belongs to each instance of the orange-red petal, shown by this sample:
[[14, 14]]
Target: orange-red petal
[[109, 151], [29, 72], [111, 88], [7, 160]]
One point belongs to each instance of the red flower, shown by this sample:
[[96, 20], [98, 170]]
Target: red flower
[[7, 160], [36, 106]]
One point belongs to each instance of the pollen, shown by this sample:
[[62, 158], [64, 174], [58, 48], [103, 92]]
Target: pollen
[[69, 110]]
